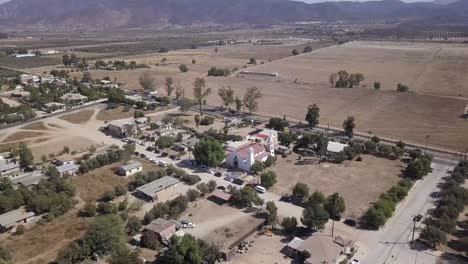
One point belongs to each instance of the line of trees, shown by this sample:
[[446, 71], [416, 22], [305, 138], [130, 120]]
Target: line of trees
[[343, 79], [384, 208], [104, 159], [452, 201], [250, 99]]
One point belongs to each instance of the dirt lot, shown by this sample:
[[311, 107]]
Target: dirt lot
[[36, 126], [92, 185], [265, 250], [80, 117], [425, 67], [120, 113], [360, 183], [219, 224], [41, 243], [21, 135]]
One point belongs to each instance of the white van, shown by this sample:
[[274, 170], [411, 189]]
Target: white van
[[260, 189]]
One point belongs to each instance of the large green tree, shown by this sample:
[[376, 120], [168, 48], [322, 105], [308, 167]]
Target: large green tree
[[268, 179], [25, 155], [272, 216], [200, 92], [349, 125], [300, 191], [312, 116], [334, 205], [147, 81], [209, 151], [314, 217], [251, 98], [106, 235], [182, 250], [227, 96]]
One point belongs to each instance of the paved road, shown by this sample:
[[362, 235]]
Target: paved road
[[392, 243]]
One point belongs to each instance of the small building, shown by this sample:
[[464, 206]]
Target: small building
[[336, 147], [263, 135], [28, 179], [10, 220], [74, 99], [220, 197], [121, 128], [165, 229], [166, 132], [54, 107], [131, 168], [9, 168], [322, 248], [68, 168], [154, 190]]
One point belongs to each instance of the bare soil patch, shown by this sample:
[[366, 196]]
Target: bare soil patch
[[94, 184], [80, 117], [219, 224], [360, 183], [21, 135], [41, 243], [36, 126]]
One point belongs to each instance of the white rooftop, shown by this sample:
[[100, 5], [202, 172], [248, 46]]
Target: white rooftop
[[336, 147], [9, 219]]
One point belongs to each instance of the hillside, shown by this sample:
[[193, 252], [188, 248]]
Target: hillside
[[136, 13]]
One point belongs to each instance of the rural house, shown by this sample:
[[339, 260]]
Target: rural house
[[131, 168], [10, 220], [158, 189], [243, 154], [68, 168], [121, 128], [74, 99], [165, 229]]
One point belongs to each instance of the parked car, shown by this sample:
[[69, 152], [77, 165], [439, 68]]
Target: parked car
[[229, 179], [150, 149], [162, 163], [355, 261], [137, 153], [238, 181], [218, 174], [223, 188], [187, 224], [142, 155], [286, 198], [260, 189], [350, 222], [164, 154]]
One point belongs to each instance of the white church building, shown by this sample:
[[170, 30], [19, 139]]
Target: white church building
[[242, 155]]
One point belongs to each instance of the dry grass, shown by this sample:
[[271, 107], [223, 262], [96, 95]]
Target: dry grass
[[80, 117], [113, 114], [425, 67], [21, 135], [360, 183], [41, 243], [36, 126], [93, 185]]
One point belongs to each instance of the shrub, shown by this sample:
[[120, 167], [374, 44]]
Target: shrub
[[207, 120], [183, 68]]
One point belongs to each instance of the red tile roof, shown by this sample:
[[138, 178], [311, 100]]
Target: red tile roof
[[244, 150]]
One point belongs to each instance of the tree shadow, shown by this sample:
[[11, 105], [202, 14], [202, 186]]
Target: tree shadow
[[451, 258]]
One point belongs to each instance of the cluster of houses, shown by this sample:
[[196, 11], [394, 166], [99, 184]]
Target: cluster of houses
[[36, 80], [34, 53]]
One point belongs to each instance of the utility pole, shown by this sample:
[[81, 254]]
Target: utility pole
[[425, 148]]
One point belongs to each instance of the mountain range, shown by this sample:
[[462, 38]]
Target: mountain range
[[137, 13]]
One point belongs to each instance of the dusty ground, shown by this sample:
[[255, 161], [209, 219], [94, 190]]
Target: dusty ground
[[36, 126], [78, 117], [430, 68], [120, 113], [219, 224], [22, 135], [265, 250], [360, 183], [41, 243], [94, 184]]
